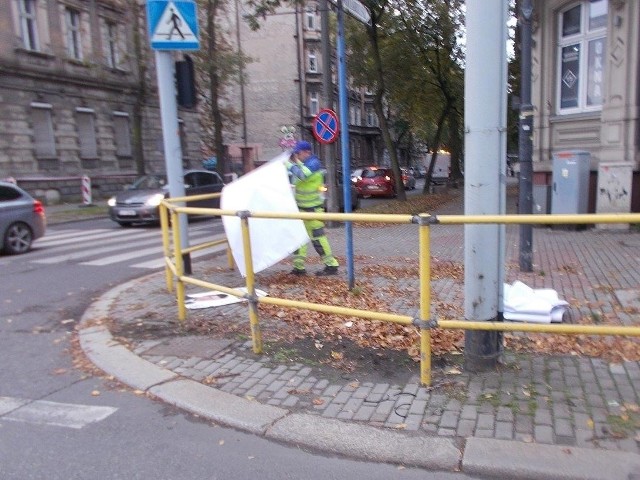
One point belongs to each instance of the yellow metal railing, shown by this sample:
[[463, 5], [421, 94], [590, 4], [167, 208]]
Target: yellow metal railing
[[175, 270]]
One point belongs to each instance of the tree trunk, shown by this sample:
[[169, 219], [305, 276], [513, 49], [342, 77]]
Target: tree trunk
[[223, 166], [386, 135]]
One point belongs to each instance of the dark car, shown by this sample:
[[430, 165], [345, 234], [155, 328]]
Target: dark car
[[355, 200], [376, 182], [22, 219], [139, 202]]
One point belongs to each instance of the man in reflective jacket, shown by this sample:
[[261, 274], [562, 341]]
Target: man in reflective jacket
[[306, 175]]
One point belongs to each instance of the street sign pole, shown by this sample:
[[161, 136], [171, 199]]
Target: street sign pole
[[171, 141], [344, 141], [358, 11], [173, 25]]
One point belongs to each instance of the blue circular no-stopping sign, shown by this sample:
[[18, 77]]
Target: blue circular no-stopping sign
[[326, 126]]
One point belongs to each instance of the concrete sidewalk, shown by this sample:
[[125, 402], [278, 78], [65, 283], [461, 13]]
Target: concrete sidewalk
[[537, 416]]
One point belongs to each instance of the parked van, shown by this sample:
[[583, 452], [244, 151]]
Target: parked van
[[442, 168]]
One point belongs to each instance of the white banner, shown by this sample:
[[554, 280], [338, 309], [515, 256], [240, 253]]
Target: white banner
[[265, 189]]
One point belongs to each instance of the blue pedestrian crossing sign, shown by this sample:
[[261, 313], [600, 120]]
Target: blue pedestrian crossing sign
[[173, 25]]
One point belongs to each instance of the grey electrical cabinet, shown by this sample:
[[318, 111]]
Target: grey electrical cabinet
[[570, 182], [541, 199]]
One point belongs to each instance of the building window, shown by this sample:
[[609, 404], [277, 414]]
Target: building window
[[74, 44], [122, 134], [370, 118], [111, 44], [29, 25], [581, 56], [311, 19], [314, 103], [43, 137], [313, 62], [86, 133]]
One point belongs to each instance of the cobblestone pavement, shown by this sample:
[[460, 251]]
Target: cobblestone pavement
[[567, 400]]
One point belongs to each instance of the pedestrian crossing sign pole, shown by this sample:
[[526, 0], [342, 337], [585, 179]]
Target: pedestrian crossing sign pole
[[173, 25]]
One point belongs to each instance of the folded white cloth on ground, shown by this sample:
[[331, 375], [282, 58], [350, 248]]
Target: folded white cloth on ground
[[214, 298], [525, 304]]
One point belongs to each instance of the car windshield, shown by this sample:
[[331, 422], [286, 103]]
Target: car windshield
[[149, 182], [373, 173]]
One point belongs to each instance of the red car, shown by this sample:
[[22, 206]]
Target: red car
[[376, 181]]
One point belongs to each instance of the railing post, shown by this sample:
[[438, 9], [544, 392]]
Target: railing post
[[177, 254], [166, 244], [424, 239], [256, 334]]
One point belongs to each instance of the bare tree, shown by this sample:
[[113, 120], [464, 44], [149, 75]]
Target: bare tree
[[218, 66]]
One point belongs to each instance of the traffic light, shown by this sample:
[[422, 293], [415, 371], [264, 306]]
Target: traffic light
[[186, 83]]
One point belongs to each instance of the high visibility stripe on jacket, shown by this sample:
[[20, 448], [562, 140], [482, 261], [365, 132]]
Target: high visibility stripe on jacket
[[308, 180]]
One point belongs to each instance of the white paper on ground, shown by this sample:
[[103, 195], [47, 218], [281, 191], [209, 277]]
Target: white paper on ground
[[265, 189], [525, 304], [214, 298]]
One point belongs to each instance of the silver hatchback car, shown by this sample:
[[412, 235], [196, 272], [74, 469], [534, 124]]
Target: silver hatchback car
[[139, 203], [22, 219]]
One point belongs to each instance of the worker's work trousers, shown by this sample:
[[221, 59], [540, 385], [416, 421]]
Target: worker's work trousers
[[320, 242]]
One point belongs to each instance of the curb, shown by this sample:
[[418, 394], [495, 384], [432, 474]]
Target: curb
[[480, 456]]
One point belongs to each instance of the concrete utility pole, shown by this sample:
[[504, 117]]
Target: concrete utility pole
[[328, 149], [485, 147], [171, 141], [525, 132]]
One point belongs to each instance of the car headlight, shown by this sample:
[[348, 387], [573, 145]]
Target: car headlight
[[154, 200], [112, 202]]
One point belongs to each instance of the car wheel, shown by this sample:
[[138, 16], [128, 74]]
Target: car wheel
[[356, 206], [18, 238]]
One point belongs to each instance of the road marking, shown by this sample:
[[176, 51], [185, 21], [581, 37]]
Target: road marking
[[159, 263], [101, 247], [138, 253], [42, 412], [99, 251], [70, 241]]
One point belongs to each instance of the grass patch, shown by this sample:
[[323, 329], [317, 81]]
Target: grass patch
[[626, 423]]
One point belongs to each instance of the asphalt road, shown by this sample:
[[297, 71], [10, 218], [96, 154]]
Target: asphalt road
[[80, 424]]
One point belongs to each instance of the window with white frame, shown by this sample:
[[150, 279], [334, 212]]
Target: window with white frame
[[85, 120], [122, 132], [73, 33], [311, 19], [43, 137], [370, 117], [111, 44], [313, 61], [29, 24], [582, 32], [314, 103]]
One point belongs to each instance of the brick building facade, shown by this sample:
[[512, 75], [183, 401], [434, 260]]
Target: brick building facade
[[78, 97]]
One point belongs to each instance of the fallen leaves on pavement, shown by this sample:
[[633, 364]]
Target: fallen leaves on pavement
[[381, 335]]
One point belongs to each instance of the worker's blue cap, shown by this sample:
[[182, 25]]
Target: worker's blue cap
[[302, 146]]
